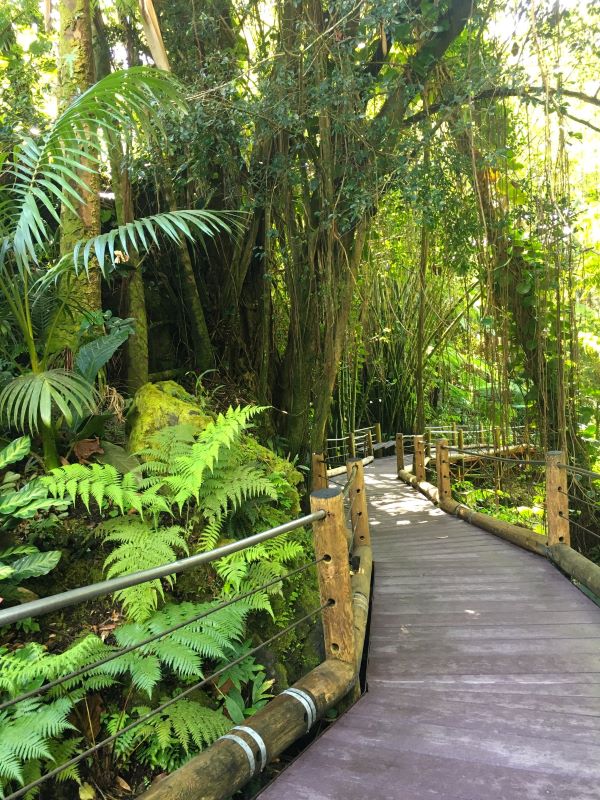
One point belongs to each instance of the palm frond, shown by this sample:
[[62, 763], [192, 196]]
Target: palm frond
[[55, 169], [32, 398]]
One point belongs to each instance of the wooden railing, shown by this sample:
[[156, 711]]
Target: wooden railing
[[554, 544], [343, 561], [342, 548], [370, 442]]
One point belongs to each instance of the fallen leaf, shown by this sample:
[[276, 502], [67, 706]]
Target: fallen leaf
[[122, 784], [85, 448]]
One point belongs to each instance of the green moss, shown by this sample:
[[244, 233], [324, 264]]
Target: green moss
[[160, 405], [289, 497]]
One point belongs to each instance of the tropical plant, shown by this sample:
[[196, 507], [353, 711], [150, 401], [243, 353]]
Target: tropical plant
[[167, 740], [26, 501], [41, 176], [40, 733], [107, 487], [141, 545], [21, 562]]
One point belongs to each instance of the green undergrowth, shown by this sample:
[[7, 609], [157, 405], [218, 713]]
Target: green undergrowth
[[522, 506], [186, 488]]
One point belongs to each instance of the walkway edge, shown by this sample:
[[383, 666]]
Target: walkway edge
[[572, 563], [522, 537]]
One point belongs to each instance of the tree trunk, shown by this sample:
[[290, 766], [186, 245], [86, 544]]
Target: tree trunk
[[137, 344], [76, 61], [203, 351], [420, 345]]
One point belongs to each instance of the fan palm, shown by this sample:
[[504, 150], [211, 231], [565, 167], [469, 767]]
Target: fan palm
[[52, 171]]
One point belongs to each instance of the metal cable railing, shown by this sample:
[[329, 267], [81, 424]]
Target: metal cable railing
[[159, 709], [46, 605], [77, 596], [156, 637]]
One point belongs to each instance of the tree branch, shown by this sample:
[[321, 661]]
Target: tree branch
[[526, 92]]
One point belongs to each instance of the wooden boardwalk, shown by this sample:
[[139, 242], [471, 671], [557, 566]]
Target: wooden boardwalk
[[483, 676]]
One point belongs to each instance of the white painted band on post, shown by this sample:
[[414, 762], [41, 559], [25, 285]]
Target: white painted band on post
[[361, 600], [245, 747], [306, 700], [259, 741]]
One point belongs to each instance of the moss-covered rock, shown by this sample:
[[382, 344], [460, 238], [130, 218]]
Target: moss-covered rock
[[161, 405]]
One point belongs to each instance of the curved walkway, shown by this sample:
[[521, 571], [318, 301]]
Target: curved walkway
[[483, 676]]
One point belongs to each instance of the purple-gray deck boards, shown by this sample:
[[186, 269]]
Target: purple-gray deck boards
[[483, 675]]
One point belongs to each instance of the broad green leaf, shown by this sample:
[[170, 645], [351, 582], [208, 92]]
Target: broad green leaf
[[15, 451]]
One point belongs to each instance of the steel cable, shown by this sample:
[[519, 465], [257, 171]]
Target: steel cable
[[125, 650], [145, 717]]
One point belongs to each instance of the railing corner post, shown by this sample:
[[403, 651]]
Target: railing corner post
[[352, 445], [399, 453], [378, 435], [370, 444], [331, 551], [419, 458], [557, 500], [359, 512], [461, 458]]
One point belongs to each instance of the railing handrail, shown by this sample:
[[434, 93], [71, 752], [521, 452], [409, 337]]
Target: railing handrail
[[71, 597]]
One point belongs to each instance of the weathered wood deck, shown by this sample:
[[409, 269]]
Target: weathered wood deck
[[483, 676]]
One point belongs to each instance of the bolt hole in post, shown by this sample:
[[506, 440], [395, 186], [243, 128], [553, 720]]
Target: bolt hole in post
[[327, 558]]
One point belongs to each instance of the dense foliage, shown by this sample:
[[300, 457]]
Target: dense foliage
[[313, 215]]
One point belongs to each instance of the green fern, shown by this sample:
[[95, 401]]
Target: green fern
[[26, 734], [184, 651], [104, 484], [188, 461], [167, 739], [141, 546]]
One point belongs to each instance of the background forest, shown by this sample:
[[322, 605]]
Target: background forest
[[228, 231]]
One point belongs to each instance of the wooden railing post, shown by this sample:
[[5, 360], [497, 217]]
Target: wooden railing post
[[352, 445], [399, 453], [461, 458], [331, 551], [359, 513], [428, 443], [454, 434], [319, 472], [442, 462], [419, 458], [369, 443], [378, 436], [557, 501]]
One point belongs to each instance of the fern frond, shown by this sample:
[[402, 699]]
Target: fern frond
[[141, 546]]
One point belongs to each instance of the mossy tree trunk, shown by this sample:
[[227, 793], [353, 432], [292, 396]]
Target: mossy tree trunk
[[76, 69]]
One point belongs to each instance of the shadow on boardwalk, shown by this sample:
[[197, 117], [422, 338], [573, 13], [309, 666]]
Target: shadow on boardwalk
[[483, 676]]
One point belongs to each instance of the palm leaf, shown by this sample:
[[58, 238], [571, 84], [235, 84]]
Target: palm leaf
[[32, 398], [54, 169]]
